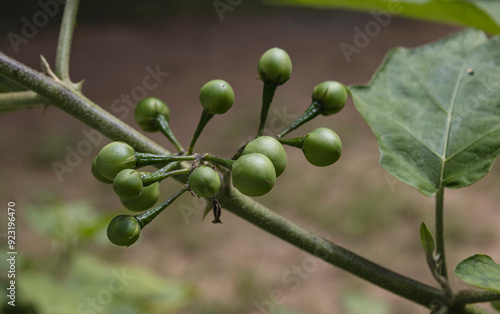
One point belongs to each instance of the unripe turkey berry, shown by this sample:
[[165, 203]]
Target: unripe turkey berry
[[128, 183], [204, 182], [146, 112], [271, 148], [217, 96], [115, 157], [253, 174], [331, 95], [98, 175], [124, 230], [275, 66], [322, 147], [145, 200]]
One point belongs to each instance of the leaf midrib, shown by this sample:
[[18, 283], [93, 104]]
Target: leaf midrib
[[449, 118]]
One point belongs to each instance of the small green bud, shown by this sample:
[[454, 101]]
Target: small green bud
[[204, 181], [217, 96], [275, 66], [115, 157], [146, 112], [128, 183], [124, 230], [331, 95], [322, 147]]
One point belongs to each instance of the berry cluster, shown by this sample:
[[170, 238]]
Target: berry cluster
[[254, 168]]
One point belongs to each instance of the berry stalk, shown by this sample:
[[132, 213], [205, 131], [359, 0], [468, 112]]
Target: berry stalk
[[311, 112], [146, 217], [205, 117], [267, 98], [162, 124]]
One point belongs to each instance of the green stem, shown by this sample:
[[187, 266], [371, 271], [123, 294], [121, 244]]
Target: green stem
[[311, 112], [65, 38], [162, 124], [475, 296], [157, 176], [294, 142], [20, 100], [440, 251], [205, 117], [146, 159], [151, 214], [77, 105], [267, 99], [228, 163]]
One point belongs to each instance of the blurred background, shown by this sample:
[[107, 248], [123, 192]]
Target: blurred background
[[183, 264]]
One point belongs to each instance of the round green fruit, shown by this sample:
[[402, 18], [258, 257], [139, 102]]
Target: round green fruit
[[115, 157], [322, 147], [217, 96], [204, 181], [97, 174], [253, 174], [124, 230], [128, 183], [271, 148], [145, 200], [331, 95], [147, 110], [275, 66]]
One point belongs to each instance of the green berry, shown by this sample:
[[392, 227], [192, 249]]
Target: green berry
[[331, 95], [124, 230], [146, 112], [253, 174], [275, 66], [128, 183], [271, 148], [322, 147], [145, 200], [217, 96], [115, 157], [97, 174], [204, 181]]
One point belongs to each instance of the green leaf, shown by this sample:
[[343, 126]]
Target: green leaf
[[427, 240], [480, 271], [435, 111], [482, 14]]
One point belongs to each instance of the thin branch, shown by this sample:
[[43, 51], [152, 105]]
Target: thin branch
[[475, 296], [65, 39], [76, 105], [20, 100]]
